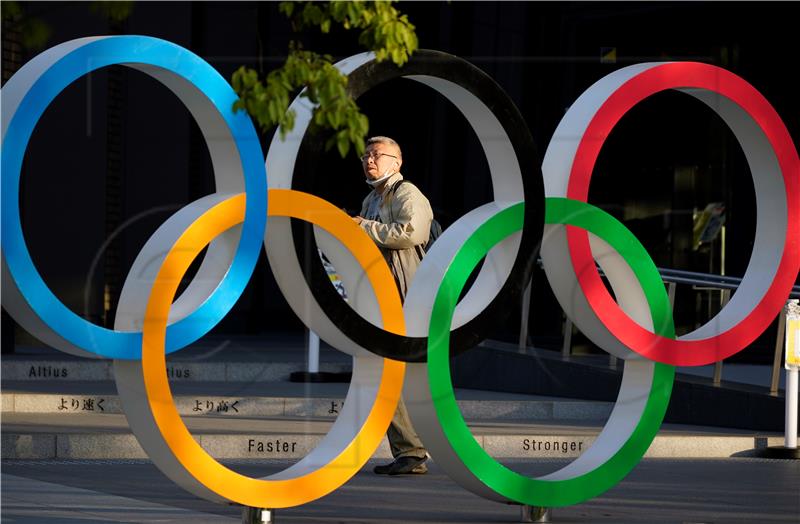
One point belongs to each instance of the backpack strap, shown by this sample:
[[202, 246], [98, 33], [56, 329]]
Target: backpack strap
[[392, 191], [396, 185], [420, 248]]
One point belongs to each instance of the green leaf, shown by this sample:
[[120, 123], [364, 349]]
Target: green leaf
[[329, 143], [11, 10], [35, 33], [287, 8], [342, 144], [116, 11], [382, 29]]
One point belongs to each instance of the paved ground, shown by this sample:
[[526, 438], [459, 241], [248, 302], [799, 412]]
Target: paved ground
[[683, 491], [690, 491]]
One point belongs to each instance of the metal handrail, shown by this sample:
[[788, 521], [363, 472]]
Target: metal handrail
[[680, 276], [693, 278], [672, 277]]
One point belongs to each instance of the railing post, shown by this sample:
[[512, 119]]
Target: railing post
[[313, 352], [790, 429], [523, 321], [725, 297], [776, 361], [566, 347], [671, 293], [789, 450]]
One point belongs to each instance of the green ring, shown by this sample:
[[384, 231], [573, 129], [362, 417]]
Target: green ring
[[505, 482]]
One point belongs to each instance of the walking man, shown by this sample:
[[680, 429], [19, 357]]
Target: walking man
[[397, 216]]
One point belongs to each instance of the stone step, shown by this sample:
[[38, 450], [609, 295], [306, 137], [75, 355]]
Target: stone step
[[66, 370], [282, 400], [91, 436]]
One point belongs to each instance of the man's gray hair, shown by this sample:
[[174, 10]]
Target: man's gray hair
[[384, 140]]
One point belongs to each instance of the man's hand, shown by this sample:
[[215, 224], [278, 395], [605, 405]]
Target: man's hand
[[358, 219]]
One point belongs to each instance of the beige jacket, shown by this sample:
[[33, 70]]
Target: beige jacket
[[401, 227]]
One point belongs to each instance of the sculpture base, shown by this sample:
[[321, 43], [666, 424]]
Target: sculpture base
[[258, 516], [320, 376], [534, 514], [778, 452]]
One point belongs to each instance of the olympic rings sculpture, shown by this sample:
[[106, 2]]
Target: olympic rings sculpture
[[403, 348]]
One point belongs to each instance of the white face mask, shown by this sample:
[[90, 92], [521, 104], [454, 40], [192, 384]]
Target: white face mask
[[386, 174]]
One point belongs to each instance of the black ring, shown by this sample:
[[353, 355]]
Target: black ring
[[414, 349]]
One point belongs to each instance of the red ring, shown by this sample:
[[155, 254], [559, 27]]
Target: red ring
[[638, 339]]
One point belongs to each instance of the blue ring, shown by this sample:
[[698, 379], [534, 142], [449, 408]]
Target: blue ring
[[82, 60]]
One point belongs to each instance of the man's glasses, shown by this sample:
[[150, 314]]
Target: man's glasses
[[375, 157]]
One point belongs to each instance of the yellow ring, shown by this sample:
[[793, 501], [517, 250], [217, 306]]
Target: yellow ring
[[202, 466]]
